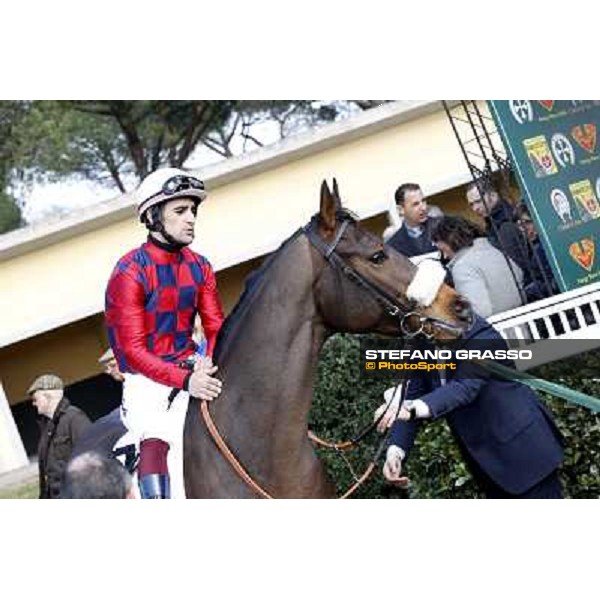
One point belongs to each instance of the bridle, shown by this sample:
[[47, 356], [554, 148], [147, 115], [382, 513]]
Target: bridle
[[390, 303]]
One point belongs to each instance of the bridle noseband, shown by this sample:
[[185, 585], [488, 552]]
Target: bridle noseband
[[390, 303]]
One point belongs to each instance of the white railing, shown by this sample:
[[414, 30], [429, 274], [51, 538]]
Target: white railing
[[573, 315]]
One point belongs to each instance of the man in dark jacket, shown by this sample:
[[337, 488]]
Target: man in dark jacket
[[60, 428], [507, 437], [542, 283], [413, 238], [501, 230]]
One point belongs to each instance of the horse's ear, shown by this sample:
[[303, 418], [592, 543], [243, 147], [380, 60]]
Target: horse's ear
[[328, 208], [336, 192]]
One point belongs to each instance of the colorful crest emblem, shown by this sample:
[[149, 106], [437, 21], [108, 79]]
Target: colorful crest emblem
[[585, 136], [540, 156], [587, 203], [583, 253], [547, 104]]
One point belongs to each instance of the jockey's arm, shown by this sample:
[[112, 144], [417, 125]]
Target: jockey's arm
[[125, 316], [210, 308]]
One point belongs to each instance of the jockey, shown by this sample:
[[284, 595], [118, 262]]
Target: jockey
[[152, 298]]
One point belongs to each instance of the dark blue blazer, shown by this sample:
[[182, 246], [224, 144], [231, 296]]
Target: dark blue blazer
[[501, 425], [402, 242]]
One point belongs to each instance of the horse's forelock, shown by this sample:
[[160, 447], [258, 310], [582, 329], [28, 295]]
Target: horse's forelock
[[341, 215]]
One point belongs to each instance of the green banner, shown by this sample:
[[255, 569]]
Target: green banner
[[554, 150]]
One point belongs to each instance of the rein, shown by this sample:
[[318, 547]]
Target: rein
[[258, 489]]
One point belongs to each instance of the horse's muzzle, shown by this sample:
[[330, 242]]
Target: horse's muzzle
[[463, 310]]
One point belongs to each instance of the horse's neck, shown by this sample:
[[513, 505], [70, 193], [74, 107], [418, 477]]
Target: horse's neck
[[269, 365]]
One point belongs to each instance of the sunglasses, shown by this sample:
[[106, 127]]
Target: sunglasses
[[179, 183]]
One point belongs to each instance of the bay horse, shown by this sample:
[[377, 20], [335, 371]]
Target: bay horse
[[330, 276]]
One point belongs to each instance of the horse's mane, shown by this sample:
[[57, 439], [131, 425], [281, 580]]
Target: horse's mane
[[251, 287], [253, 283]]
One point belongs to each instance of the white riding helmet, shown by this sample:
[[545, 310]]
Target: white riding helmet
[[167, 184]]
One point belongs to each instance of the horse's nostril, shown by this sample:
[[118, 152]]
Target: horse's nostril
[[462, 307]]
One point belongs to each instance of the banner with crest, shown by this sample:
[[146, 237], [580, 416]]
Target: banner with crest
[[554, 148]]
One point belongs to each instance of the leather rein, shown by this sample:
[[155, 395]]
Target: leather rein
[[260, 491]]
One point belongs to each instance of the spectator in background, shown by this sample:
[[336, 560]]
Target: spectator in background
[[481, 273], [501, 230], [413, 237], [93, 476], [61, 427], [542, 283]]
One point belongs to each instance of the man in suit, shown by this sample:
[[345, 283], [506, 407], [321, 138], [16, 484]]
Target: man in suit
[[507, 437], [413, 237]]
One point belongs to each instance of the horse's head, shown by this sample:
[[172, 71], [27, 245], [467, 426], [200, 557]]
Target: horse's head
[[364, 286]]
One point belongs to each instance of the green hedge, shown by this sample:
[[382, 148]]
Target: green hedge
[[344, 403]]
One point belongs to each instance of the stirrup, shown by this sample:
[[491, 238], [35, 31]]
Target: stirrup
[[155, 487]]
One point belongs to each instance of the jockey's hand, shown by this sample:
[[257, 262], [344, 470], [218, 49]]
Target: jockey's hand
[[414, 409], [392, 468], [392, 400], [202, 385]]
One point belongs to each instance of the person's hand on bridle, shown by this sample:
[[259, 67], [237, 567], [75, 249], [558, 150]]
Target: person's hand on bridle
[[389, 409], [392, 468], [414, 409]]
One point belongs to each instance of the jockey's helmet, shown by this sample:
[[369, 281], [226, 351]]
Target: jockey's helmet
[[167, 184]]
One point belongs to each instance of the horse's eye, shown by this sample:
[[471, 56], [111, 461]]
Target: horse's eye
[[378, 257]]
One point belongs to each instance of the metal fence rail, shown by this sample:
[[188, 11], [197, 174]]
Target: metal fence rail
[[572, 316]]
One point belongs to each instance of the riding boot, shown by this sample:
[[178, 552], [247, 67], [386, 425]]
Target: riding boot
[[155, 486], [153, 472]]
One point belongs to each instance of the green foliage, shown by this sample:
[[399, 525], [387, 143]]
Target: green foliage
[[344, 404], [52, 140], [579, 426], [10, 211], [10, 214]]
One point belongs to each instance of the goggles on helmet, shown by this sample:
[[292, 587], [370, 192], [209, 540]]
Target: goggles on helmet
[[179, 183], [175, 185]]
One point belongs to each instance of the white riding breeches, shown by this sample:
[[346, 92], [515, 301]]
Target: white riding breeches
[[145, 413]]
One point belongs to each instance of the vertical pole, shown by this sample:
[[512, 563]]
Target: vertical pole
[[12, 451]]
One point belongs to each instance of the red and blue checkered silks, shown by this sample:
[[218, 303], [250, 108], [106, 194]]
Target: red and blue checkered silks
[[152, 299]]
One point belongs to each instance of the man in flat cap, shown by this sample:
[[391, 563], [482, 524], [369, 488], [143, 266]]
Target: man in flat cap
[[61, 425]]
